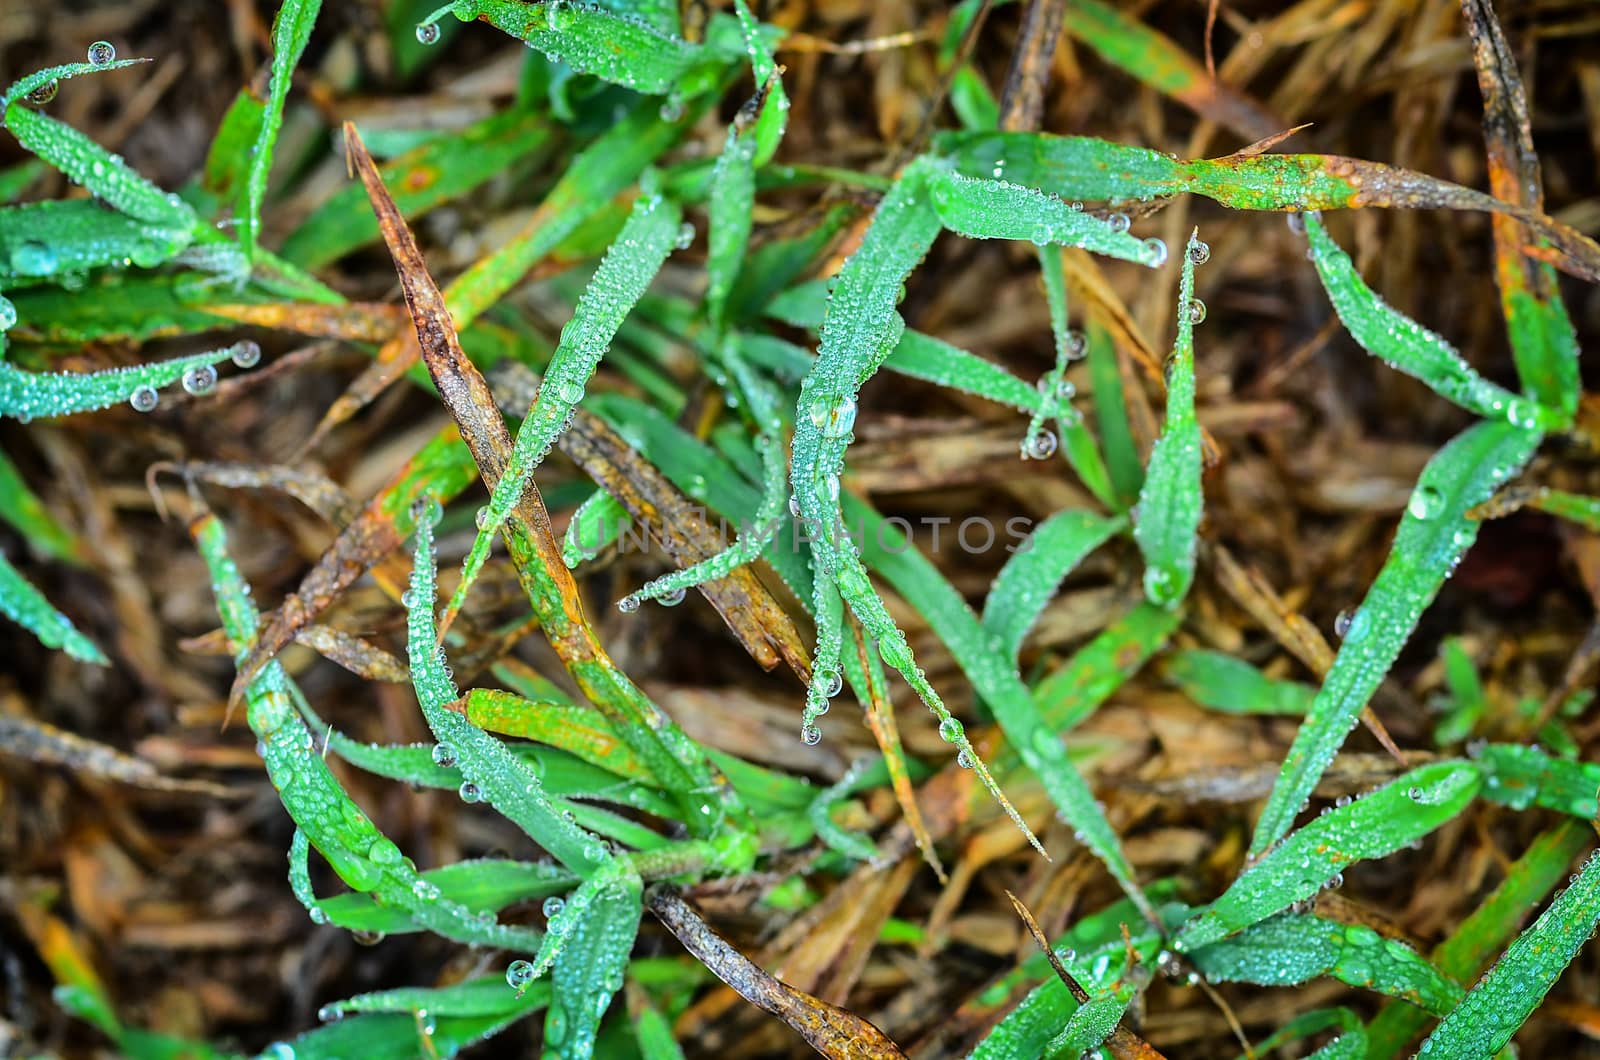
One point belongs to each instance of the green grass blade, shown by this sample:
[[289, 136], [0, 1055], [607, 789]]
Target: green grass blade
[[1351, 1044], [1166, 522], [1292, 948], [1056, 393], [771, 98], [361, 855], [1373, 826], [588, 970], [594, 527], [1407, 346], [1585, 511], [23, 510], [404, 1026], [1434, 534], [1094, 673], [980, 208], [291, 31], [1467, 699], [26, 396], [1509, 992], [1123, 462], [1222, 682], [621, 49], [1485, 931], [26, 606], [63, 238], [492, 773], [1520, 777], [1033, 574]]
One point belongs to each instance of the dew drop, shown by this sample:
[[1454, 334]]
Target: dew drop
[[102, 53], [685, 236], [553, 906], [1039, 446], [1425, 502], [247, 354], [963, 759], [444, 755], [428, 33], [1155, 253], [1199, 252], [1341, 624], [671, 108], [1297, 223], [1118, 222], [481, 519], [425, 890], [144, 398], [570, 392], [1077, 345], [44, 93], [828, 682], [810, 735], [470, 792], [1197, 311], [519, 974], [950, 730], [674, 598], [201, 379], [408, 599], [8, 314], [278, 1051], [628, 604]]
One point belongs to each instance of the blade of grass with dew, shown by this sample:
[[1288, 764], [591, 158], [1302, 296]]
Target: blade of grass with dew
[[22, 509], [1373, 826], [1092, 1022], [1434, 534], [1543, 343], [1166, 521], [474, 997], [358, 852], [1520, 777], [491, 772], [26, 606], [1035, 571], [854, 845], [480, 885], [1111, 415], [1486, 930], [66, 237], [1223, 682], [577, 729], [995, 678], [922, 356], [590, 965], [621, 49], [86, 162], [1292, 948], [594, 527], [449, 1026], [25, 396], [1407, 346], [228, 156], [1500, 1002], [1028, 1029], [729, 208], [980, 208], [440, 171], [651, 234], [125, 307], [291, 32], [771, 100], [1056, 393]]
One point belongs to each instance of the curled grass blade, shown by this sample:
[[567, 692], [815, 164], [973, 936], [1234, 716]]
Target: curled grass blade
[[1373, 826], [1434, 534], [1167, 519], [1407, 346]]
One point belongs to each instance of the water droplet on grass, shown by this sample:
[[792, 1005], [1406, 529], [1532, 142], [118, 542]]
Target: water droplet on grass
[[44, 93], [553, 906], [519, 974], [628, 604], [685, 236], [1155, 253], [428, 33], [144, 398], [1425, 502], [1197, 311], [102, 53], [470, 792], [1039, 446], [1199, 252], [201, 379], [1118, 222], [246, 354], [444, 755], [810, 735], [674, 598]]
